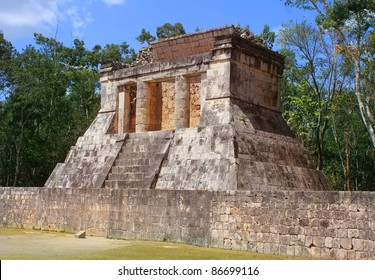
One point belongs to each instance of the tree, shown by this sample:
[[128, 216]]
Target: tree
[[315, 77], [165, 31], [52, 97], [265, 39], [267, 36], [350, 157], [6, 54], [347, 28], [32, 109], [145, 36], [168, 30], [353, 22], [117, 53]]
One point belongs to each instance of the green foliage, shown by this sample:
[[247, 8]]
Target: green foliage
[[265, 39], [328, 85], [165, 31], [117, 53], [267, 36], [6, 54], [198, 29], [145, 36], [168, 30], [311, 84], [342, 12], [304, 4], [348, 144], [52, 96], [353, 23]]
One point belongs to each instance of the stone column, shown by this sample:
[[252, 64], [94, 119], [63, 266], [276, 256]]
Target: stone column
[[108, 91], [182, 102], [121, 110], [143, 107], [204, 88], [127, 113]]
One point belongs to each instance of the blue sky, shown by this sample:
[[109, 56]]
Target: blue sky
[[115, 21]]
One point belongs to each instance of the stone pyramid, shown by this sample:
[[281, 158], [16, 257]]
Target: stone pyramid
[[197, 111]]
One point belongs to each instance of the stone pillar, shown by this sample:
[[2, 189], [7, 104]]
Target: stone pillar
[[108, 95], [127, 112], [121, 110], [143, 107], [182, 102], [216, 92]]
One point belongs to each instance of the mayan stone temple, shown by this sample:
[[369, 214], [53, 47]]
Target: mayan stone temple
[[190, 146], [198, 112]]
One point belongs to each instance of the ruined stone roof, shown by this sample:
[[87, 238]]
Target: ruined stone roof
[[199, 43]]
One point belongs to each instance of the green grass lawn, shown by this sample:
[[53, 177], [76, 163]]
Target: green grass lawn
[[124, 249], [146, 250]]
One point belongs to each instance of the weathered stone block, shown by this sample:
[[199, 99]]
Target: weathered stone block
[[358, 244], [80, 234], [346, 243], [328, 242]]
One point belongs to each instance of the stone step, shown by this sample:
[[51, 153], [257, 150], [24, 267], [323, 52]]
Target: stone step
[[139, 160], [143, 147], [134, 162], [140, 155], [127, 177], [87, 163], [110, 184], [118, 169]]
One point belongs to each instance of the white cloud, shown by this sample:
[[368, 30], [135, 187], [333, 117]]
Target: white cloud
[[113, 2], [22, 18], [277, 29], [79, 18], [25, 15]]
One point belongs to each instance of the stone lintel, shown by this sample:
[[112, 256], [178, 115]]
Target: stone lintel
[[183, 66]]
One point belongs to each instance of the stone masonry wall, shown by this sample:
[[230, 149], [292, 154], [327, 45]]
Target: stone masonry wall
[[200, 158], [187, 45], [252, 87], [168, 105], [324, 225]]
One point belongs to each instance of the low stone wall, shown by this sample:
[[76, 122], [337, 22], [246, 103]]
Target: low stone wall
[[326, 225]]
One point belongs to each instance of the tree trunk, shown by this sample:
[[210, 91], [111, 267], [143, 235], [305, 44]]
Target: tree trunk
[[361, 104], [18, 150], [347, 151]]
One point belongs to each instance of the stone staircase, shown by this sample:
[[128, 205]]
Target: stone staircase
[[139, 162], [87, 163]]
